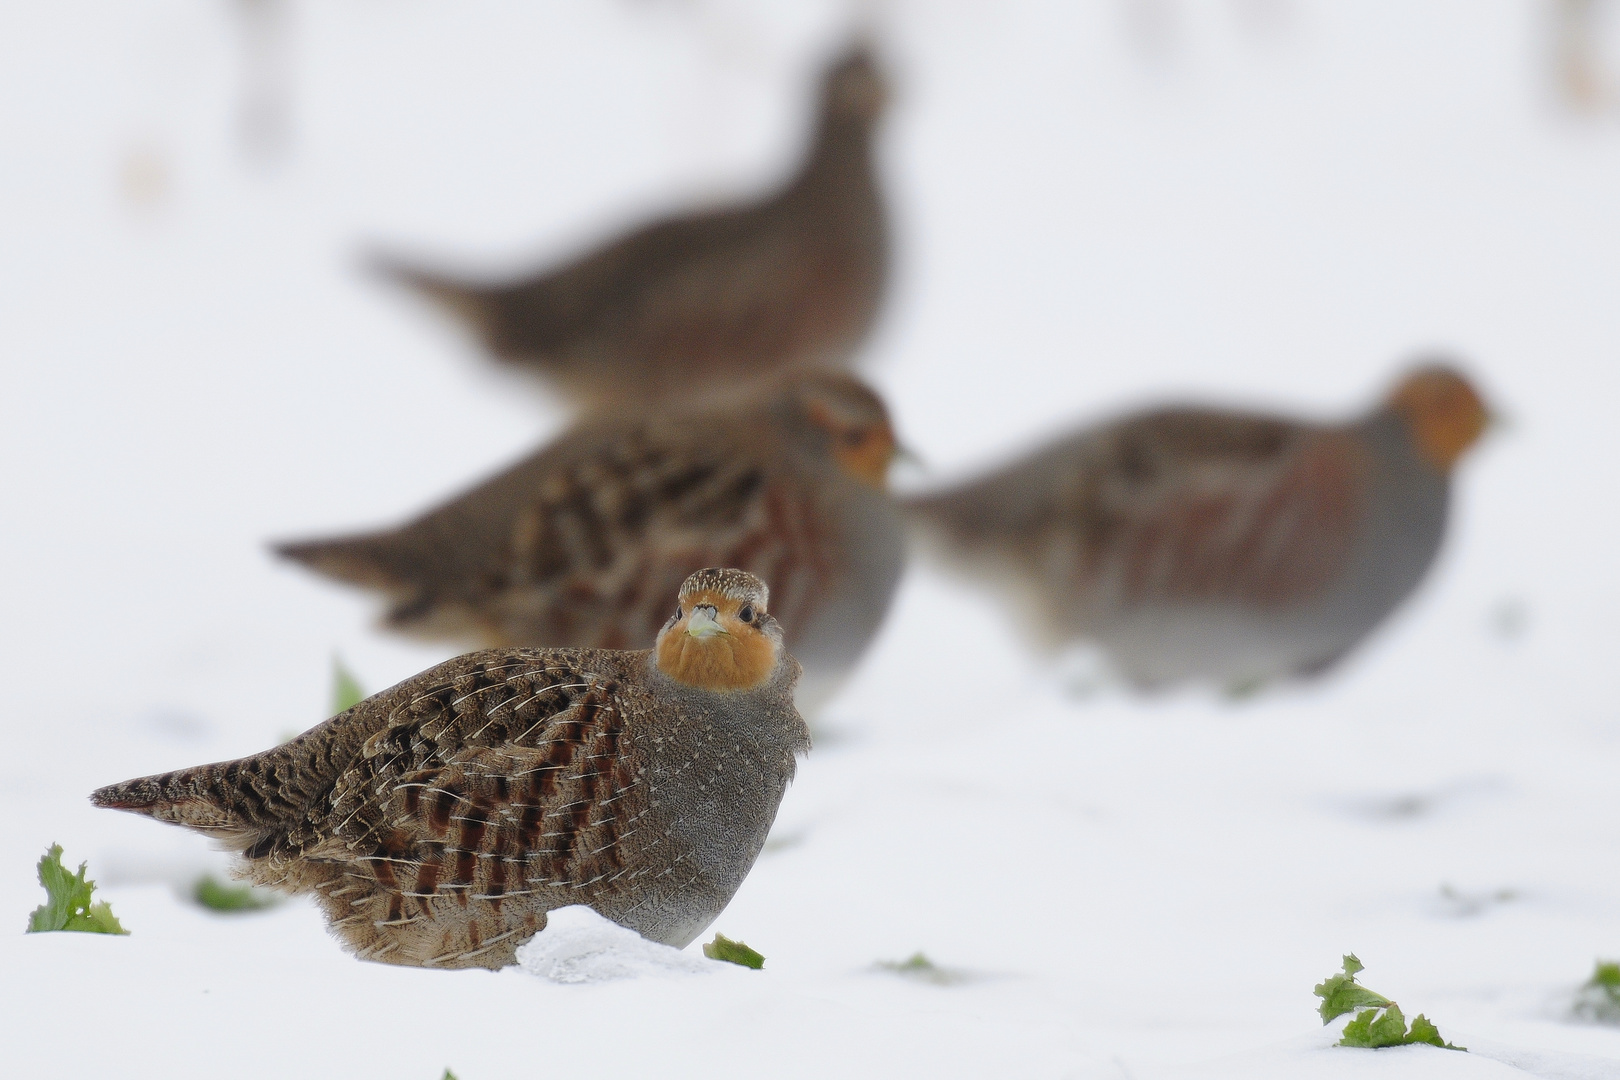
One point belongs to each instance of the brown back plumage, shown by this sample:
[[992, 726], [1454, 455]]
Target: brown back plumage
[[1176, 506], [584, 543], [793, 280]]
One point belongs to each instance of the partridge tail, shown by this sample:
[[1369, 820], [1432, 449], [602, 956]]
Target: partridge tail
[[473, 304], [201, 798], [404, 567], [371, 560], [250, 803]]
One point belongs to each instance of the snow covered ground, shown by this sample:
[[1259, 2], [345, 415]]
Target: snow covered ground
[[1270, 201]]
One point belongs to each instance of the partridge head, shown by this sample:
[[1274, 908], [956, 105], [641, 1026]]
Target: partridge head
[[1443, 412]]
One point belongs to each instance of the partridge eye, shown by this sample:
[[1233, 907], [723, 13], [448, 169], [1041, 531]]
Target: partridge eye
[[747, 613]]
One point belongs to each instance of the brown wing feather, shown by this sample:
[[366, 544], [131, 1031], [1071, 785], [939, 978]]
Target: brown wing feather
[[477, 792], [584, 544], [1201, 507]]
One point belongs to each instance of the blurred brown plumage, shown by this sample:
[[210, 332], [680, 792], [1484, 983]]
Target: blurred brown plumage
[[791, 281], [1198, 544], [581, 543]]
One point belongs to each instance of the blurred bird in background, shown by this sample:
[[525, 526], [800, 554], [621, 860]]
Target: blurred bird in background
[[791, 281], [1581, 70], [1196, 544], [583, 543]]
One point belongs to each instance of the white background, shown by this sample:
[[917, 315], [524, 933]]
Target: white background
[[1265, 202]]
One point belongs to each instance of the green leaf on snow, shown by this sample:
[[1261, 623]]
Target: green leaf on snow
[[919, 967], [215, 895], [1380, 1022], [733, 952], [1341, 993], [68, 905], [1599, 999]]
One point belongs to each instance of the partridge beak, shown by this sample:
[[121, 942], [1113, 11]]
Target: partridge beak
[[702, 623]]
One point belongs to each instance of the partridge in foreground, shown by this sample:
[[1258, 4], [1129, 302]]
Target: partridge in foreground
[[437, 822], [1196, 544], [793, 280], [581, 543]]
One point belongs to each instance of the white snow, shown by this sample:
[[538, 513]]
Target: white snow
[[1269, 201], [579, 946]]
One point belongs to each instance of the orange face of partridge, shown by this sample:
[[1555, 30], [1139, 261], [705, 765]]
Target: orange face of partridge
[[718, 641], [1444, 412], [863, 445]]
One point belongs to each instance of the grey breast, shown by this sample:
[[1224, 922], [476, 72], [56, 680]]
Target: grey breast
[[870, 543], [1401, 524], [1408, 500], [716, 775]]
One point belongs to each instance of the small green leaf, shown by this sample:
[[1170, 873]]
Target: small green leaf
[[1373, 1028], [67, 903], [346, 692], [1383, 1024], [448, 1075], [1425, 1032], [1599, 999], [1341, 994], [917, 966], [215, 895], [733, 952]]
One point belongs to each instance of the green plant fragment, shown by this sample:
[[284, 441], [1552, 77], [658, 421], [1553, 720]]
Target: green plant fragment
[[1380, 1022], [448, 1075], [1424, 1031], [733, 952], [67, 903], [346, 691], [1599, 998], [215, 895], [1341, 993], [917, 966]]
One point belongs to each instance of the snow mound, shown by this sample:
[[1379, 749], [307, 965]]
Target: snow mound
[[579, 946]]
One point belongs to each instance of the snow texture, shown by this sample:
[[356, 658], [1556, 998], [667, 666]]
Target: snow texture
[[579, 946], [1267, 202]]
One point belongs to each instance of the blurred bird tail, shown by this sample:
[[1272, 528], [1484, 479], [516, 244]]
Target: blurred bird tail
[[465, 301], [358, 560], [398, 570]]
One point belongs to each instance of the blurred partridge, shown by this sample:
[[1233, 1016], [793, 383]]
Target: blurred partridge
[[437, 822], [1196, 544], [793, 280], [581, 543]]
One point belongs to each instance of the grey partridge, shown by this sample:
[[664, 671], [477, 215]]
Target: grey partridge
[[580, 543], [1196, 544], [437, 822], [793, 280]]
